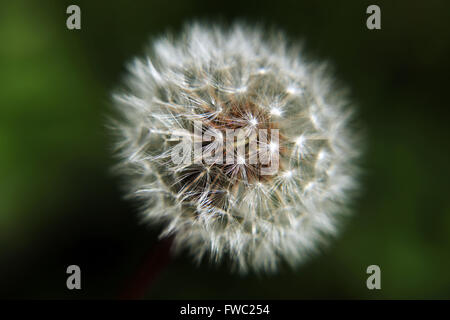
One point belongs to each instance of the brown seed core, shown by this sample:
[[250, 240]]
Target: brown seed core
[[212, 184]]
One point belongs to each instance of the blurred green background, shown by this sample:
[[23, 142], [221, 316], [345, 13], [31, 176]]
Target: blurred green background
[[59, 204]]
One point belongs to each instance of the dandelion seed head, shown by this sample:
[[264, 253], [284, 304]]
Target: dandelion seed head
[[273, 147], [240, 78], [253, 121], [276, 111], [287, 174]]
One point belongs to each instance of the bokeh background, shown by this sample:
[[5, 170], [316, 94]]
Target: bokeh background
[[59, 204]]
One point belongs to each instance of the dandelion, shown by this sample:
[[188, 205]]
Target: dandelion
[[241, 79]]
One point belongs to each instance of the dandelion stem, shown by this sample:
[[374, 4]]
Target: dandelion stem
[[155, 262]]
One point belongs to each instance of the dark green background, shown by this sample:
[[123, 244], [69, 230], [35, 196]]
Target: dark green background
[[59, 205]]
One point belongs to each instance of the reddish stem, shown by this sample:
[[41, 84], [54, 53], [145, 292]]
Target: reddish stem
[[154, 263]]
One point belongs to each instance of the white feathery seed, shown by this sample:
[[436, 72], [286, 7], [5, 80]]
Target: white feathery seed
[[246, 78]]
